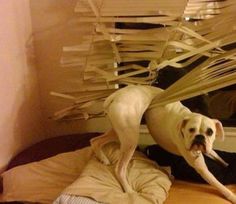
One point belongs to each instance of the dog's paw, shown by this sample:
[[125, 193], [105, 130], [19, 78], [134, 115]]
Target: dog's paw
[[232, 198], [103, 159], [225, 164], [99, 154]]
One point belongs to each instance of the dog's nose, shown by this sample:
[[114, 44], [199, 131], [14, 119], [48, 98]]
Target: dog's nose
[[199, 138]]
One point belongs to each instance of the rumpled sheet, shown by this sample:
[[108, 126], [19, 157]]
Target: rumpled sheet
[[98, 181]]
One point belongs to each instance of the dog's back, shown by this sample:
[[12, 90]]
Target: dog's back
[[132, 95]]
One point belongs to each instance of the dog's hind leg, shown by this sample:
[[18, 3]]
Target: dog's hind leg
[[129, 142], [125, 109], [126, 122], [98, 142]]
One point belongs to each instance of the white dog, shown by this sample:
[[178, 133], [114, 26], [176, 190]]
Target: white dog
[[173, 126]]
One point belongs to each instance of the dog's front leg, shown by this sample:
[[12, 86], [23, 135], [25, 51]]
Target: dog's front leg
[[125, 109], [199, 165], [216, 157]]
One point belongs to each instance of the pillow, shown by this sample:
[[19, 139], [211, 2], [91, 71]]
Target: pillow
[[97, 181], [43, 181], [48, 148]]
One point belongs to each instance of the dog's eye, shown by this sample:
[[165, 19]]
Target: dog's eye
[[209, 131], [191, 130]]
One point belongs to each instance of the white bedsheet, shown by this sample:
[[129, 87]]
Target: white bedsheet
[[72, 199]]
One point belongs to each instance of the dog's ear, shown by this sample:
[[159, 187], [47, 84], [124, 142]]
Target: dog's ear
[[182, 124], [219, 130]]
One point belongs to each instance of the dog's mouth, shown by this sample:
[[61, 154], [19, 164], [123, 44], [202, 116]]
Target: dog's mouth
[[198, 146]]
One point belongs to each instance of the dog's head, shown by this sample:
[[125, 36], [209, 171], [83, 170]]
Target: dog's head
[[199, 132]]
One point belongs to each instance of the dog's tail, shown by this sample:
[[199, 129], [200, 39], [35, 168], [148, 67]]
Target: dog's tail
[[109, 100]]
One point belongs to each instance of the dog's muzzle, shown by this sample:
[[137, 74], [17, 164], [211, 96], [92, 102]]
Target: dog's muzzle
[[198, 143]]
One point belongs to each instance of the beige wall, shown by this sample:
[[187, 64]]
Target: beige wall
[[20, 118], [32, 34], [54, 28]]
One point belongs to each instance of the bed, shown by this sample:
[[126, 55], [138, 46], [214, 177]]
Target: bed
[[61, 170]]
